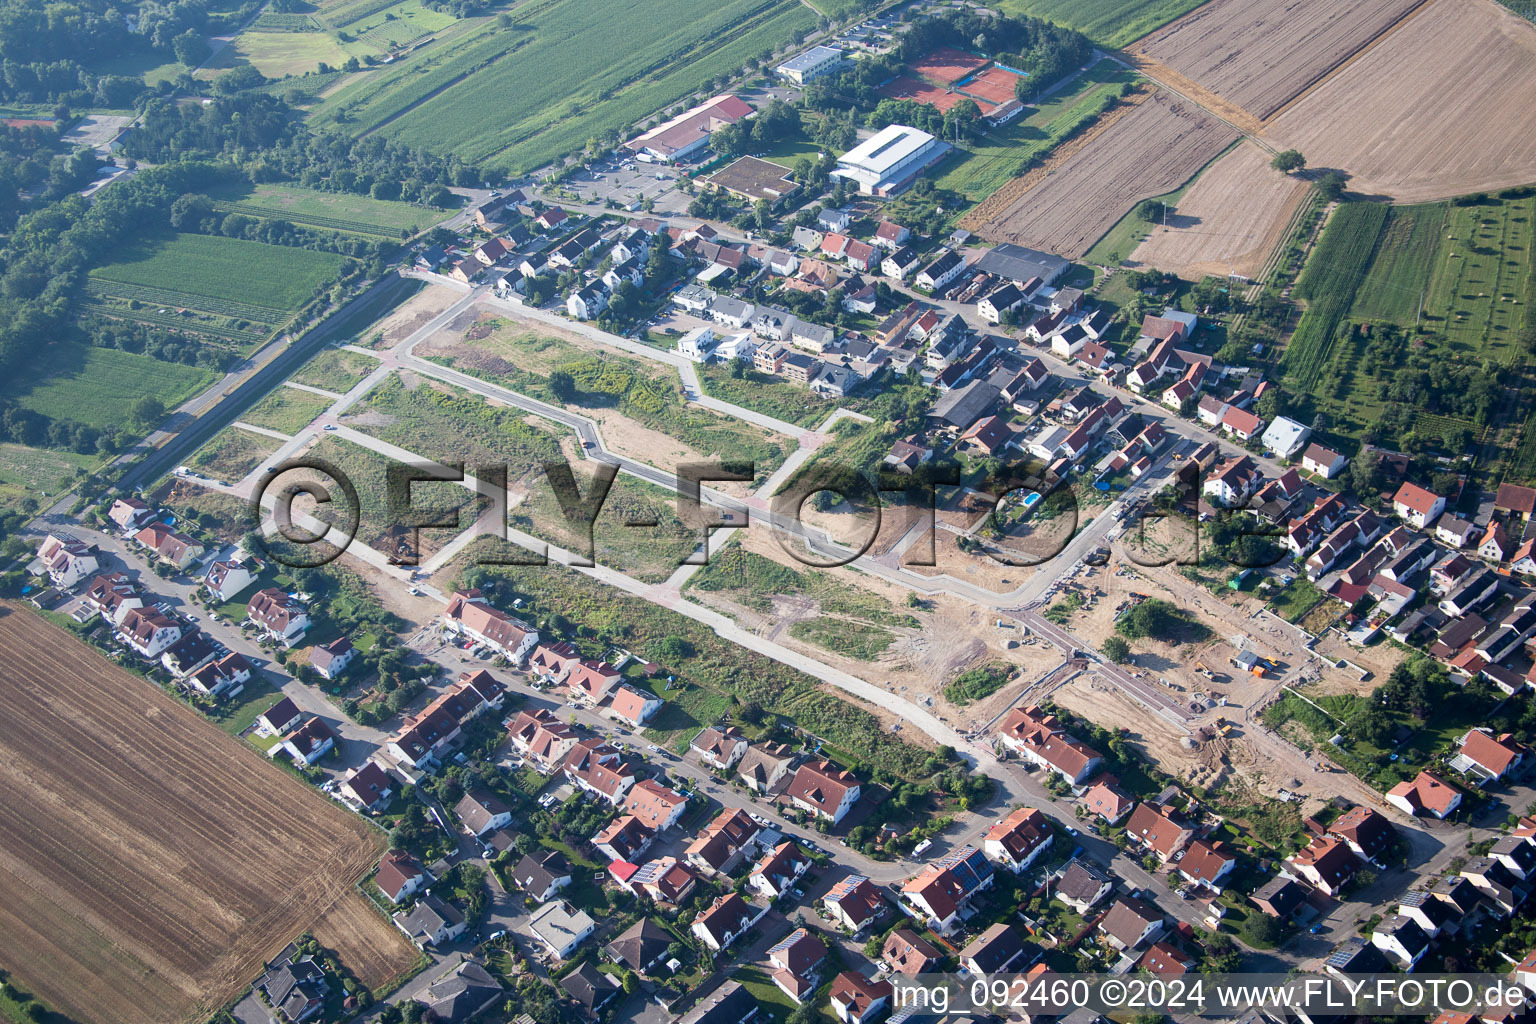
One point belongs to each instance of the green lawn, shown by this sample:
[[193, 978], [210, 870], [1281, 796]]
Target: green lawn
[[38, 472], [1110, 22], [788, 151], [279, 54], [98, 385], [568, 70], [977, 169], [337, 211], [286, 410], [228, 269]]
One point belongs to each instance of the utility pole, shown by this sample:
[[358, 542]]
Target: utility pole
[[1420, 315]]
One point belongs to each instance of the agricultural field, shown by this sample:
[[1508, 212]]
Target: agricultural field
[[332, 211], [286, 410], [1228, 220], [978, 169], [335, 369], [1483, 282], [1427, 113], [387, 26], [37, 472], [572, 70], [97, 386], [232, 453], [1406, 251], [1107, 22], [1328, 286], [280, 53], [232, 293], [1147, 150], [132, 897], [1261, 55]]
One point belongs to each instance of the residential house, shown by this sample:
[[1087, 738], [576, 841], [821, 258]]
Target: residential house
[[1487, 757], [1325, 462], [148, 632], [308, 743], [1425, 795], [1038, 737], [542, 874], [731, 1003], [764, 765], [279, 614], [592, 681], [1241, 424], [635, 706], [719, 747], [169, 545], [1159, 830], [331, 660], [459, 994], [431, 922], [625, 838], [469, 614], [1165, 961], [941, 271], [1280, 897], [128, 513], [598, 768], [641, 946], [280, 718], [940, 894], [295, 986], [796, 961], [587, 303], [1285, 437], [428, 733], [824, 790], [1018, 840], [482, 811], [858, 1000], [994, 951], [1401, 939], [855, 903], [67, 560], [1416, 505], [899, 265], [665, 880], [399, 876], [1327, 864], [369, 788], [561, 928], [1129, 922], [657, 807], [1368, 832], [590, 989], [725, 842], [1107, 801], [726, 920], [891, 236], [1432, 914], [778, 871], [1207, 864], [909, 953]]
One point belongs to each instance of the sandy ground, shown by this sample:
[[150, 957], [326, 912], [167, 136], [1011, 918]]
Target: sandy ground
[[1150, 151], [409, 316], [1440, 107], [1260, 54], [1228, 222]]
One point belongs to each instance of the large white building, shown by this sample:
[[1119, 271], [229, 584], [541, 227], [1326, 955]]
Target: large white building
[[887, 164], [812, 64]]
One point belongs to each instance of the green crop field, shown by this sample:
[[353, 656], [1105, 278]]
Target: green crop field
[[1400, 266], [1482, 281], [229, 269], [977, 169], [1328, 284], [1110, 22], [335, 211], [97, 385], [566, 71]]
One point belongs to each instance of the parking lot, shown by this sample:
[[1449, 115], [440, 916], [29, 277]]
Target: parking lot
[[629, 182]]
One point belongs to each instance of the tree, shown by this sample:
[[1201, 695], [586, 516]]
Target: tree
[[1152, 211], [1331, 186], [1116, 650], [190, 48], [1288, 161], [146, 410], [1260, 930], [562, 385], [673, 650]]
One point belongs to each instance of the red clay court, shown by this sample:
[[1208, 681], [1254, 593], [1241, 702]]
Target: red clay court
[[994, 85], [948, 65], [905, 87]]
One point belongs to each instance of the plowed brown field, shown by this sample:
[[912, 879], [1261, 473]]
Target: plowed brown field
[[1261, 54], [1229, 219], [1440, 107], [1147, 152], [151, 862]]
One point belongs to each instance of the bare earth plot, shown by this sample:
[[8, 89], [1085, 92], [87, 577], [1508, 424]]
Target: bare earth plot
[[1151, 150], [1228, 221], [1260, 54], [1441, 107], [152, 863]]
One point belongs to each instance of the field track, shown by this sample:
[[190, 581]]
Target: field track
[[152, 862], [1153, 149]]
